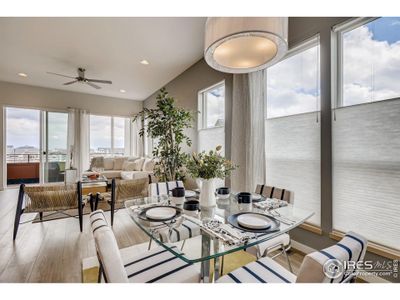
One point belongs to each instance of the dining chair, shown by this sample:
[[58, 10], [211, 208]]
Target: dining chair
[[282, 241], [49, 198], [163, 188], [122, 190], [334, 259], [127, 265], [180, 233]]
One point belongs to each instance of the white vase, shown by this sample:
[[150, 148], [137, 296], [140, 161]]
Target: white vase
[[207, 193]]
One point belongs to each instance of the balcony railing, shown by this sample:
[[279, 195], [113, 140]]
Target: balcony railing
[[25, 168]]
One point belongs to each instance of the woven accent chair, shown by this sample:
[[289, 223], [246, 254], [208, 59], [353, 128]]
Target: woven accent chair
[[122, 190], [48, 198], [351, 248], [127, 265], [281, 242]]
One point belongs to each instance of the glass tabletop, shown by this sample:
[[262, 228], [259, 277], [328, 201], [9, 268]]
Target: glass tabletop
[[209, 243]]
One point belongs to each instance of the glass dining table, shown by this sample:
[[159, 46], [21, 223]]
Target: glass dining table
[[209, 247]]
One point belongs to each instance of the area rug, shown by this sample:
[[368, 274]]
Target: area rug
[[90, 265]]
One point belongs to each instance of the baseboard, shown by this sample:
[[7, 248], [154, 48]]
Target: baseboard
[[297, 246]]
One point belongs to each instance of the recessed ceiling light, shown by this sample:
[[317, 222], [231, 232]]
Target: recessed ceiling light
[[144, 62], [22, 75], [122, 91]]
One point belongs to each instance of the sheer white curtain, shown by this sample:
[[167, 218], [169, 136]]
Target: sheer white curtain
[[78, 140], [136, 140], [248, 130]]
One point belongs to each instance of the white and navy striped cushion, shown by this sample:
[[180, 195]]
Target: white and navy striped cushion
[[107, 248], [185, 231], [351, 248], [264, 270], [163, 188], [159, 265]]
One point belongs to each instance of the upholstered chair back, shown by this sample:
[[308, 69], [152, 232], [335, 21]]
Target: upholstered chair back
[[273, 192], [107, 249], [163, 188], [335, 260]]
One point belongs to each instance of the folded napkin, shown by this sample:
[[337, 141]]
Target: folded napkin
[[270, 203]]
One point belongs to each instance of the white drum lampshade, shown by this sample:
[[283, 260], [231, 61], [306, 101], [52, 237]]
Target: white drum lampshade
[[243, 45]]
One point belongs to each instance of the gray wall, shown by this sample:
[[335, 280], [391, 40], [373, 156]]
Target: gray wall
[[185, 88], [13, 94], [37, 97]]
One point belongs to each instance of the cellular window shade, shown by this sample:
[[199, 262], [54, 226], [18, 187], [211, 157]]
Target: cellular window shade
[[293, 159], [366, 171], [210, 138]]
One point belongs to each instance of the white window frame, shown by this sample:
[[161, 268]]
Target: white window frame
[[112, 132], [297, 49], [337, 57], [202, 106]]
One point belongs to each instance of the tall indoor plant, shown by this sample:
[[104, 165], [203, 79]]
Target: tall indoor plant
[[208, 166], [167, 124]]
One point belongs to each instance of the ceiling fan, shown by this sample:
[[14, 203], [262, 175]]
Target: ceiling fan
[[81, 78]]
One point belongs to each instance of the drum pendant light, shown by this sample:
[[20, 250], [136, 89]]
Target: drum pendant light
[[244, 45]]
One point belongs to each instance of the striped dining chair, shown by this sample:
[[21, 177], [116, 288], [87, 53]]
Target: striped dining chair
[[330, 265], [163, 188], [127, 265], [281, 242], [180, 233]]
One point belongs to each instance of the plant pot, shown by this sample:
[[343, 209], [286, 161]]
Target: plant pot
[[207, 193]]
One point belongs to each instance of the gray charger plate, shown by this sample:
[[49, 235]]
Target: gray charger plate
[[232, 219]]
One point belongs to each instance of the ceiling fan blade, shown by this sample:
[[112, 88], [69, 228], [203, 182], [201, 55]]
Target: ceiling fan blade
[[60, 75], [100, 81], [92, 85], [71, 82]]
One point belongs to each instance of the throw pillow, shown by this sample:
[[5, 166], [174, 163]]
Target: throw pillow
[[139, 164], [108, 163], [126, 175], [128, 166], [118, 162], [97, 163], [148, 165]]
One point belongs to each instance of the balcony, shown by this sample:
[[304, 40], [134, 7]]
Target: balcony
[[25, 168]]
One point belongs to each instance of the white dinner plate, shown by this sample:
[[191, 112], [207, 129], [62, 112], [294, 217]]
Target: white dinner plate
[[255, 196], [254, 221], [160, 213], [189, 193]]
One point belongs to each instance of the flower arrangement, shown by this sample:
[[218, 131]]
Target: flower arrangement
[[208, 165]]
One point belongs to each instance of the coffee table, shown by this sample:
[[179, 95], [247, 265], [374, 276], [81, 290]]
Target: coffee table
[[91, 187]]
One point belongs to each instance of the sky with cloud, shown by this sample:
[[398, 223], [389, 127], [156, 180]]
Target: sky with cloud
[[371, 70]]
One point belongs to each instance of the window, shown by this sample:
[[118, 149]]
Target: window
[[107, 136], [211, 125], [293, 83], [366, 136], [212, 107], [369, 56], [292, 130]]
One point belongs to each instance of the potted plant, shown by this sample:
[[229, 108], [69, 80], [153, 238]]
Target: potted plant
[[167, 123], [207, 166]]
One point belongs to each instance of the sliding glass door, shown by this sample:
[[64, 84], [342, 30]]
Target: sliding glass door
[[36, 145], [55, 146]]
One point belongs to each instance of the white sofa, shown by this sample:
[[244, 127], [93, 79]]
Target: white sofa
[[122, 167]]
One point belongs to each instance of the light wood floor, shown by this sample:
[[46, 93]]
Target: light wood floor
[[53, 251]]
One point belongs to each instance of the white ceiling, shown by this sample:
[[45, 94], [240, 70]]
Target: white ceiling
[[109, 48]]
